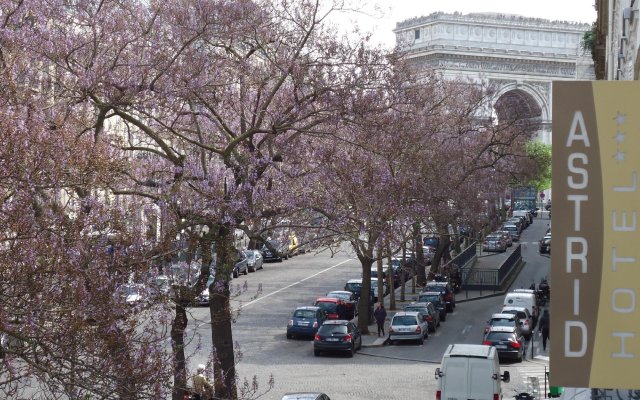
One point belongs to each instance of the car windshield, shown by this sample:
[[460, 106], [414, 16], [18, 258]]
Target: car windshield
[[304, 314], [437, 288], [343, 296], [502, 322], [404, 320], [330, 328], [354, 286], [420, 309], [430, 297], [250, 254], [129, 290], [499, 336], [327, 306]]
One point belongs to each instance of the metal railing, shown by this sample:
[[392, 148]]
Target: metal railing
[[491, 279]]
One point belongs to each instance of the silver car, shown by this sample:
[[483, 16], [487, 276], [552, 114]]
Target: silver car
[[408, 325], [254, 260]]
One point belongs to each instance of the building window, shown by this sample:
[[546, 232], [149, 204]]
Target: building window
[[416, 34]]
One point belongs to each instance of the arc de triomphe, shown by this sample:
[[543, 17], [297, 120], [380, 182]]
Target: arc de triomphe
[[521, 56]]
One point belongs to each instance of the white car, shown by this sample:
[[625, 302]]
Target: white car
[[408, 325]]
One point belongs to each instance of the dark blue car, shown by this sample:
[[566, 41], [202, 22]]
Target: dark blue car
[[305, 321]]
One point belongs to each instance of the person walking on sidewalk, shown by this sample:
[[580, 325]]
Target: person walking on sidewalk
[[380, 315], [544, 328]]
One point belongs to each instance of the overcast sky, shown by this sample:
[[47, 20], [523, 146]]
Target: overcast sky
[[391, 11]]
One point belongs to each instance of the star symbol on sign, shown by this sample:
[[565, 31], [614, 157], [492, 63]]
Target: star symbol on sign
[[619, 156], [619, 137], [620, 118]]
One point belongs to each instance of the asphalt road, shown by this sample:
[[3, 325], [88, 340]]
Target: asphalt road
[[267, 297]]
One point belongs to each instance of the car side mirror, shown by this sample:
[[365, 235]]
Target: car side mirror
[[438, 373], [505, 377]]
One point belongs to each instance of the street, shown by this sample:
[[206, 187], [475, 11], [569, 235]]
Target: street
[[401, 371]]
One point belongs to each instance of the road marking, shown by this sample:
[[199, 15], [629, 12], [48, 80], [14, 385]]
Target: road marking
[[294, 283], [466, 329]]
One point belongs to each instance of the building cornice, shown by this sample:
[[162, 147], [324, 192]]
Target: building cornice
[[494, 19]]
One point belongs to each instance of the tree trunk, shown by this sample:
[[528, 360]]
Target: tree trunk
[[442, 252], [224, 368], [364, 305], [403, 275], [390, 282], [177, 343], [380, 276], [420, 264]]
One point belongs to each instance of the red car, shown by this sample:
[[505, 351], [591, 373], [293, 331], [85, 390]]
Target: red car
[[329, 305]]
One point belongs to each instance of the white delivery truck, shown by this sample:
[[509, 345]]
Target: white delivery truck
[[470, 371]]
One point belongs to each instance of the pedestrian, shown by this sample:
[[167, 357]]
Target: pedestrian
[[341, 309], [544, 328], [380, 315], [202, 386]]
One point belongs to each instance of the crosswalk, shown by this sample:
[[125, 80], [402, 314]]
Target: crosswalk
[[530, 376]]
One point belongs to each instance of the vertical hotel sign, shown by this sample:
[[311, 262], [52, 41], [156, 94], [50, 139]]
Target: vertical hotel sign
[[595, 312]]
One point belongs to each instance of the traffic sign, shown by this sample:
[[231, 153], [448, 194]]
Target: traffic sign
[[542, 195]]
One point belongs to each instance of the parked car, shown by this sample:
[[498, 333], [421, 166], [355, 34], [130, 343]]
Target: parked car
[[507, 340], [526, 320], [446, 290], [350, 301], [429, 252], [501, 319], [133, 293], [305, 396], [355, 286], [437, 299], [254, 260], [328, 305], [160, 286], [374, 287], [494, 243], [408, 325], [506, 236], [518, 222], [241, 266], [338, 335], [513, 230], [430, 313], [409, 264], [203, 298], [280, 251], [544, 245], [305, 321], [385, 271]]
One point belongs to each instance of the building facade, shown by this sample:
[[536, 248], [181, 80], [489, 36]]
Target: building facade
[[617, 39], [518, 56]]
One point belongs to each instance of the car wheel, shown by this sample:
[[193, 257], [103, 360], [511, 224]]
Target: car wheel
[[279, 259], [421, 340], [252, 269], [316, 352], [360, 343], [443, 318], [289, 336], [235, 273], [520, 357], [352, 351]]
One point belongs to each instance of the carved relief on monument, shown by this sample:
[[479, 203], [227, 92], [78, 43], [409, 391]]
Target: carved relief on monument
[[521, 67]]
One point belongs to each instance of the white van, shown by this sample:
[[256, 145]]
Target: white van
[[520, 299], [470, 371]]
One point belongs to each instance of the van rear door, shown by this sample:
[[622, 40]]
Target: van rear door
[[481, 383], [455, 379]]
